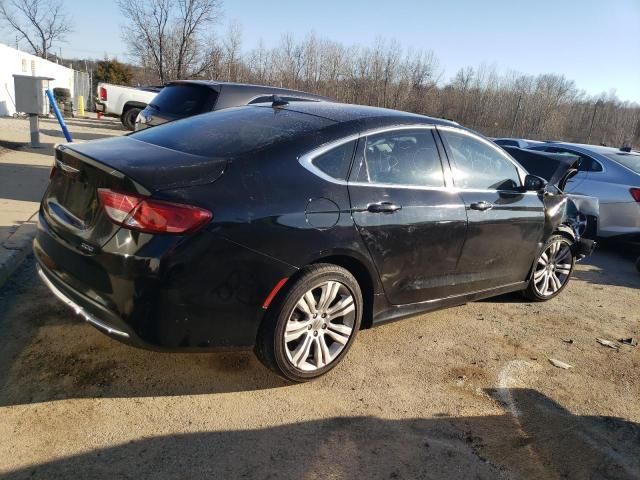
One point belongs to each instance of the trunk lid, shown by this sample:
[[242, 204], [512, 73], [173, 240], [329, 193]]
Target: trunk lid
[[71, 205]]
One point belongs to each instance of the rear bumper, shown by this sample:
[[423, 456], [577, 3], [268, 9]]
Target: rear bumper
[[93, 313], [198, 295], [619, 219]]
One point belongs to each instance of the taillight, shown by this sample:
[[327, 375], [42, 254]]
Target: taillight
[[635, 193], [103, 93], [151, 216]]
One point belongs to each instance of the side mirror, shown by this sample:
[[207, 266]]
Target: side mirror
[[533, 183]]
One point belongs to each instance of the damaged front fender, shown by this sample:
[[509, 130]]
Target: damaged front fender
[[562, 215]]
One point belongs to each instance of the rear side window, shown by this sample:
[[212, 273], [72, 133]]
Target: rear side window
[[587, 164], [184, 99], [629, 160], [478, 165], [402, 157], [335, 162], [508, 143], [232, 131]]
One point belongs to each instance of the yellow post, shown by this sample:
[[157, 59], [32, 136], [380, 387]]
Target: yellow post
[[81, 105]]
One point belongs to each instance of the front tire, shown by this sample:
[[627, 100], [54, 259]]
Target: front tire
[[311, 326], [552, 270]]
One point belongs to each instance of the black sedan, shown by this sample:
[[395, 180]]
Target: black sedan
[[287, 228]]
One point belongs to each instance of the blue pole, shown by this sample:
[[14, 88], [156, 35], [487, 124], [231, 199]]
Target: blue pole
[[56, 110]]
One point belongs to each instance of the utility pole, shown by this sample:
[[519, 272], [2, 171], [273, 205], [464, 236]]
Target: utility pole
[[595, 109], [515, 116]]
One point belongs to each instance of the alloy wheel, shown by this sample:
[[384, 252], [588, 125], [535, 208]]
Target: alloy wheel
[[553, 268], [319, 326]]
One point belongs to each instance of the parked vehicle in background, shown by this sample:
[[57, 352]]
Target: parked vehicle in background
[[185, 98], [516, 142], [124, 102], [611, 175], [557, 169], [287, 227]]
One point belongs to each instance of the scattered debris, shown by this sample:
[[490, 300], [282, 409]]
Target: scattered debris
[[607, 343], [569, 340], [629, 341], [559, 364]]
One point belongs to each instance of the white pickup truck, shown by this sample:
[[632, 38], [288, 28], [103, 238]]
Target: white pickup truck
[[124, 102]]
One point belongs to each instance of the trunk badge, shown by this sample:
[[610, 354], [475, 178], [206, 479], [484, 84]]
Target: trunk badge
[[87, 248]]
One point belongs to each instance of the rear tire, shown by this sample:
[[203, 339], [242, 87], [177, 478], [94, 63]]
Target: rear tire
[[129, 116], [552, 270], [310, 327]]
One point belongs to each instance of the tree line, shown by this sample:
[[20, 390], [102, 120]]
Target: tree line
[[172, 39]]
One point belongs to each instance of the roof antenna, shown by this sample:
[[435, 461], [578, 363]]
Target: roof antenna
[[278, 102]]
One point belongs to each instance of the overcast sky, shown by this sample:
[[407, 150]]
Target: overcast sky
[[594, 43]]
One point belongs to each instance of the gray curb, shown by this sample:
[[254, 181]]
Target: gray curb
[[16, 248]]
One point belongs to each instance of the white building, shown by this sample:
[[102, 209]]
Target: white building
[[15, 62]]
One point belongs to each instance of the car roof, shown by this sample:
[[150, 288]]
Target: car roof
[[364, 115], [258, 89]]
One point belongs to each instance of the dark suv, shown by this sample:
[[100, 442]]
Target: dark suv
[[185, 98]]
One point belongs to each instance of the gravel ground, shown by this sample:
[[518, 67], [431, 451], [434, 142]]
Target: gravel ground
[[462, 393]]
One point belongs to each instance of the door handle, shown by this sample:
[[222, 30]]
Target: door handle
[[482, 206], [383, 207]]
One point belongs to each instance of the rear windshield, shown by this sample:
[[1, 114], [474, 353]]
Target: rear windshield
[[184, 99], [629, 160], [232, 131]]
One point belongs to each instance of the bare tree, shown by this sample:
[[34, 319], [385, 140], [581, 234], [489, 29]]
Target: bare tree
[[169, 35], [42, 23], [232, 43], [386, 74]]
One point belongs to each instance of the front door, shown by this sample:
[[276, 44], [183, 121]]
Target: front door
[[413, 226], [505, 222]]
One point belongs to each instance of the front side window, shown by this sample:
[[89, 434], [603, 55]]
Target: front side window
[[402, 157], [335, 162], [477, 165]]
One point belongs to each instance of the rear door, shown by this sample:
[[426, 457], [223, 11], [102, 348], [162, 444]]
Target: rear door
[[505, 223], [413, 226]]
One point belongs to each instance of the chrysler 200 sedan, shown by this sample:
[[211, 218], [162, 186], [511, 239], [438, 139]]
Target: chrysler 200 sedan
[[288, 227]]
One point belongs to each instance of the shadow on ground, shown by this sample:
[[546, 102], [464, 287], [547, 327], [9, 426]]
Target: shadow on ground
[[542, 441], [49, 353], [46, 148], [76, 135], [610, 264], [109, 124], [23, 182]]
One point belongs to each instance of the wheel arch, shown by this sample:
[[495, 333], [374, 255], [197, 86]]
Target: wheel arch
[[566, 231], [363, 275], [133, 104]]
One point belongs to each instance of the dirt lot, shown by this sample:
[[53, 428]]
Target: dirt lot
[[462, 393]]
